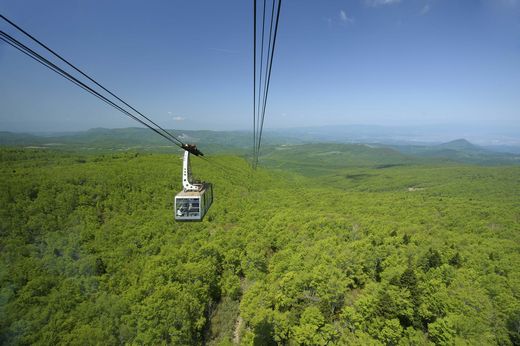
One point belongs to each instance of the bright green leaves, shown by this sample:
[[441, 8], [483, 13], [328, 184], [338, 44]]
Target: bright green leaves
[[441, 332], [312, 329], [90, 254]]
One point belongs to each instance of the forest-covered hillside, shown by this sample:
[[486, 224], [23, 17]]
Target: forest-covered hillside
[[277, 145], [395, 253], [142, 139]]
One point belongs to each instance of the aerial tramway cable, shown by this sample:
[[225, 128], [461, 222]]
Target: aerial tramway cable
[[259, 106], [158, 129], [37, 57], [263, 88], [268, 71], [254, 79]]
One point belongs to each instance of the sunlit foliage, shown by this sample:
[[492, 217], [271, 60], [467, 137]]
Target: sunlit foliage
[[397, 255]]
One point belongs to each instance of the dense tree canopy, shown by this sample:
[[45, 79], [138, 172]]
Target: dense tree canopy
[[414, 254]]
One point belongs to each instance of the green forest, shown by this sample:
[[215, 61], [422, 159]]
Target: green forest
[[364, 248]]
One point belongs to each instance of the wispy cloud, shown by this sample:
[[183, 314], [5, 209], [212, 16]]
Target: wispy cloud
[[344, 18], [176, 117], [426, 8], [341, 19], [376, 3]]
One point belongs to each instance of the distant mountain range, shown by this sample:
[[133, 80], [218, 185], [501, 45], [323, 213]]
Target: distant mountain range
[[130, 138], [382, 143], [500, 139], [459, 150]]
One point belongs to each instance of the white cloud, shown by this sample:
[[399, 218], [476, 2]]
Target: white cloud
[[344, 18], [426, 9], [375, 3], [178, 118], [343, 15]]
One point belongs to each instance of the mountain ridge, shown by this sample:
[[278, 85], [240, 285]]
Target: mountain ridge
[[240, 142]]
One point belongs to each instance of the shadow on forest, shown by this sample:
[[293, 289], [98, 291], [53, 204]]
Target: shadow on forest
[[264, 334], [390, 165], [357, 177]]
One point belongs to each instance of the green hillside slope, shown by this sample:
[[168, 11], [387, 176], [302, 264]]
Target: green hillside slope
[[411, 254], [462, 151], [316, 159], [280, 149], [142, 139]]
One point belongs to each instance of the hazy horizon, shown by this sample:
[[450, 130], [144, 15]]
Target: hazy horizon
[[433, 127], [189, 65], [355, 133]]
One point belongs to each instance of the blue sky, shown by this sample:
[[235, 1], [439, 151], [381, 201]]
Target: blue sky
[[188, 64]]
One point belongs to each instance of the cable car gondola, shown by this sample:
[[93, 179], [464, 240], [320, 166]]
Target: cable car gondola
[[192, 203]]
